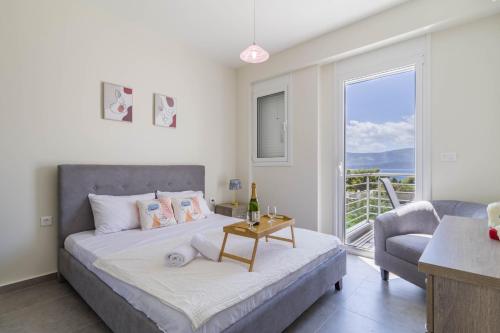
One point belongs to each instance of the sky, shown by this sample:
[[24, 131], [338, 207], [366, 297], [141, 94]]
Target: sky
[[380, 113]]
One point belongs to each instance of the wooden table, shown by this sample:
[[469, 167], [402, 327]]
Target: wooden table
[[264, 229], [228, 209], [463, 277]]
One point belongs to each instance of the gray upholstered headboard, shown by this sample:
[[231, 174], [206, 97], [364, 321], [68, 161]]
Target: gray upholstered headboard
[[75, 182]]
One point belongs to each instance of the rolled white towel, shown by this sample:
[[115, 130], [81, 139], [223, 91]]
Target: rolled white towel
[[180, 255], [207, 249], [494, 214]]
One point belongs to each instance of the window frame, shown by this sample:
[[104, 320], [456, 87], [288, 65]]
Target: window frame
[[266, 88]]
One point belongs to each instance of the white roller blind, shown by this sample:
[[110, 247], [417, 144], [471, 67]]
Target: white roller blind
[[271, 126]]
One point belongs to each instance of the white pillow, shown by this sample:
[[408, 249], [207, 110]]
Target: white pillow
[[185, 194], [116, 213]]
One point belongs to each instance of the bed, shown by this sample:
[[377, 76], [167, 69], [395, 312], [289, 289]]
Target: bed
[[125, 308]]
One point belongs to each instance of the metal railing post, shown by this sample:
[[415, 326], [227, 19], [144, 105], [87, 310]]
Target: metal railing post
[[379, 203], [367, 198], [380, 199], [355, 206]]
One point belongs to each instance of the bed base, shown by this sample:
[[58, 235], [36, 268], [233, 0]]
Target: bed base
[[274, 315]]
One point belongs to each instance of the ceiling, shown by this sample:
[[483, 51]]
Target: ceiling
[[221, 29]]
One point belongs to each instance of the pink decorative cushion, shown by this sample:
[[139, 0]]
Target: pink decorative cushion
[[187, 209], [156, 213]]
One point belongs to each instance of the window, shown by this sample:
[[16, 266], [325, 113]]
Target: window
[[270, 123], [270, 126]]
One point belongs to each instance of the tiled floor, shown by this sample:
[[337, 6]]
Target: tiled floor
[[366, 304]]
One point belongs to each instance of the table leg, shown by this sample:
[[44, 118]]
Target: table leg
[[223, 246], [267, 239], [253, 254], [293, 235]]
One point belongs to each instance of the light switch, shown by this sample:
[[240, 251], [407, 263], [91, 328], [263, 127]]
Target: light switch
[[46, 221], [448, 157]]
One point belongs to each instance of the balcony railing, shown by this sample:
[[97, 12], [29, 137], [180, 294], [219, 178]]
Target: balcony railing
[[365, 198]]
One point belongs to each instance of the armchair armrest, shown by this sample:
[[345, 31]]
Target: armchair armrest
[[413, 218]]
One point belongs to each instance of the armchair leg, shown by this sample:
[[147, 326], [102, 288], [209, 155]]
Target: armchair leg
[[338, 285], [384, 274]]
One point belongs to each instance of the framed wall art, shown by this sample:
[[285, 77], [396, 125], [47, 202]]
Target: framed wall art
[[118, 102], [165, 111]]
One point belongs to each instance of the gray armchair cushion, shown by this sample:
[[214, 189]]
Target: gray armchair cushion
[[414, 218], [460, 208], [408, 247]]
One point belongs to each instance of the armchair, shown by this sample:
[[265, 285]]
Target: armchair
[[402, 234]]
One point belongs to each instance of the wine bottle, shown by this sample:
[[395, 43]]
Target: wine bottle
[[253, 205]]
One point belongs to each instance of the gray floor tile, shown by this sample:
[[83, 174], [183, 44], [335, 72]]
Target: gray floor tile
[[346, 321], [362, 268], [391, 302], [312, 319], [65, 314], [45, 291], [98, 327], [366, 304]]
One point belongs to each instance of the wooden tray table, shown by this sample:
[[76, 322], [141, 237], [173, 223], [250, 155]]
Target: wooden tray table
[[264, 229]]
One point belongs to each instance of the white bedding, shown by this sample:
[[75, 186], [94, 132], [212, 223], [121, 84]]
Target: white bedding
[[169, 309]]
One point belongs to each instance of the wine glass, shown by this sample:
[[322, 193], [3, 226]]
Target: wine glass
[[252, 223], [248, 220], [272, 213], [245, 218]]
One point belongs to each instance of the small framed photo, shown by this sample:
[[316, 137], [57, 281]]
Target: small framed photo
[[118, 102], [165, 111]]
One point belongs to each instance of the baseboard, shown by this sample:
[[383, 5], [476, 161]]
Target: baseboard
[[27, 283]]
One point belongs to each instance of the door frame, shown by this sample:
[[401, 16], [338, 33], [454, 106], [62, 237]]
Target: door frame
[[415, 53]]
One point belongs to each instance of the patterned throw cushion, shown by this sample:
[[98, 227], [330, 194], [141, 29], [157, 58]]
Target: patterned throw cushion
[[187, 209], [187, 194], [156, 213]]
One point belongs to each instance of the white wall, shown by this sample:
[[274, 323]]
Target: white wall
[[465, 108], [54, 55], [327, 154], [410, 19], [301, 178], [466, 111]]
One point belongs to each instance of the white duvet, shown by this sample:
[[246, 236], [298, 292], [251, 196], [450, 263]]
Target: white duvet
[[210, 295], [203, 288]]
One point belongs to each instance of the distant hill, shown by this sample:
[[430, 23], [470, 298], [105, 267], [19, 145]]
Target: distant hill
[[401, 160]]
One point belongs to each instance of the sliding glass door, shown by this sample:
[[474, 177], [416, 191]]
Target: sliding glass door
[[379, 113], [380, 136]]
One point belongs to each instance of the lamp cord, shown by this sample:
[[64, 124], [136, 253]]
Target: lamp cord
[[254, 21]]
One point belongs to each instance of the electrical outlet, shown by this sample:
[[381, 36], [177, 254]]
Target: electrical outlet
[[448, 157], [46, 221]]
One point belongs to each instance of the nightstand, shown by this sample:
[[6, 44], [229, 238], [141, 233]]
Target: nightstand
[[229, 210]]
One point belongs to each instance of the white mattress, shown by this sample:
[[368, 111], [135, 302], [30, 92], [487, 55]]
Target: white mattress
[[87, 248]]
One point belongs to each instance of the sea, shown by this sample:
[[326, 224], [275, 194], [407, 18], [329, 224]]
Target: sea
[[404, 171]]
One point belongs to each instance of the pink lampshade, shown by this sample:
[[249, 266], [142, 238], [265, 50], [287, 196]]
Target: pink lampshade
[[254, 54]]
